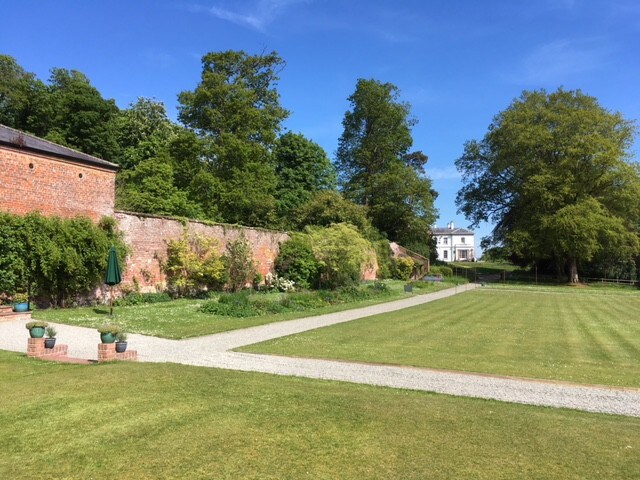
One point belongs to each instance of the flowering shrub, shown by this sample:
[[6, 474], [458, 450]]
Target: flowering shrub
[[274, 282]]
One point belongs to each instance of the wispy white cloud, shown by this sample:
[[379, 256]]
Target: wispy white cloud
[[559, 61], [447, 173], [257, 15]]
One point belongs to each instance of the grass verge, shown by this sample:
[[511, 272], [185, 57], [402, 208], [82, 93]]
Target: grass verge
[[183, 318], [568, 336], [151, 421]]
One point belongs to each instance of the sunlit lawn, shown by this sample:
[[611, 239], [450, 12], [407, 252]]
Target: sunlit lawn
[[182, 318], [566, 335], [162, 421]]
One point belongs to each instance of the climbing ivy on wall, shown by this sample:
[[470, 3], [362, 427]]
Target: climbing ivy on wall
[[54, 258]]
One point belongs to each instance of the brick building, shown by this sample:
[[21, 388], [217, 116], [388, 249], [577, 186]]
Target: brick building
[[37, 175]]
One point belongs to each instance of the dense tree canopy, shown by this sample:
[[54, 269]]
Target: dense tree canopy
[[554, 173], [377, 169], [229, 161], [302, 168], [236, 109]]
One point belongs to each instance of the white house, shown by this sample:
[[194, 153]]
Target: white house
[[454, 244]]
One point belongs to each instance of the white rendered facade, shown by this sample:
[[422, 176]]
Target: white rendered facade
[[454, 244]]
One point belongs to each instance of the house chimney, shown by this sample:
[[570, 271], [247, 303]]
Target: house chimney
[[451, 226]]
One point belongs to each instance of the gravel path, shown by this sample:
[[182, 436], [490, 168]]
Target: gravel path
[[213, 351]]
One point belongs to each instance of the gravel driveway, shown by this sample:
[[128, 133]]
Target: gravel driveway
[[214, 351]]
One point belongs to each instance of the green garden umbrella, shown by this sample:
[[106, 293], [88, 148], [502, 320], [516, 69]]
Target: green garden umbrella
[[114, 276]]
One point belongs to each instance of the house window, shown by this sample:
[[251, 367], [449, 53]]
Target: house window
[[445, 240], [445, 254], [462, 239], [463, 254]]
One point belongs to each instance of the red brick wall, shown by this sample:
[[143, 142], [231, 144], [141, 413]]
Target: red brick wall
[[147, 237], [31, 182]]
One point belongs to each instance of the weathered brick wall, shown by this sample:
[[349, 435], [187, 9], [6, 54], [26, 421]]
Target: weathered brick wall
[[147, 237], [32, 182]]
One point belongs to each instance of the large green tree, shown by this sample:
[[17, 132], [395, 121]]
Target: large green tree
[[80, 117], [23, 98], [303, 168], [377, 168], [236, 109], [554, 173], [142, 131]]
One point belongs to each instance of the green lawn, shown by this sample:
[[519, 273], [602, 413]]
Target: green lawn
[[161, 421], [565, 335], [182, 319]]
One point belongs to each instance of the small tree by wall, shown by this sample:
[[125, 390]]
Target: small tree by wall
[[242, 267], [342, 253], [194, 263]]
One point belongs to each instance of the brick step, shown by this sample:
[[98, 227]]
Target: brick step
[[107, 352], [8, 315]]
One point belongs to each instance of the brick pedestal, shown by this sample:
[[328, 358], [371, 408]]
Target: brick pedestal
[[107, 353], [35, 349]]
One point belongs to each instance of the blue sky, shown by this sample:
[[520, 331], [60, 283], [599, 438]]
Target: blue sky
[[458, 62]]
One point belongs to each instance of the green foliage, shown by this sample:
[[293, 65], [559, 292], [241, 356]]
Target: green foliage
[[194, 263], [244, 304], [121, 337], [231, 305], [110, 328], [36, 324], [137, 298], [302, 168], [242, 267], [441, 270], [79, 116], [376, 168], [22, 98], [50, 332], [54, 257], [236, 108], [142, 131], [342, 252], [553, 173], [296, 261], [13, 272], [150, 188], [403, 268], [384, 256], [328, 207]]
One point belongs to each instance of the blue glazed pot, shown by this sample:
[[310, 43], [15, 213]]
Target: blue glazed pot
[[21, 307], [36, 332], [107, 337]]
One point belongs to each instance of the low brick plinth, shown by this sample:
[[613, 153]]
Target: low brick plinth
[[9, 315], [107, 353], [35, 349]]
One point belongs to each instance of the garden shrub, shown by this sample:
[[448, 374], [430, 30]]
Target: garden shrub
[[342, 253], [53, 257], [403, 268], [242, 268], [137, 298], [231, 305], [441, 270], [384, 257], [194, 264], [296, 261]]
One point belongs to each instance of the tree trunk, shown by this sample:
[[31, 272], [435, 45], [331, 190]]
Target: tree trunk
[[572, 267]]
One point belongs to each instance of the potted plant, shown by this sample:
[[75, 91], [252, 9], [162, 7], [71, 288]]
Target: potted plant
[[50, 341], [21, 302], [121, 342], [108, 333], [36, 328]]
